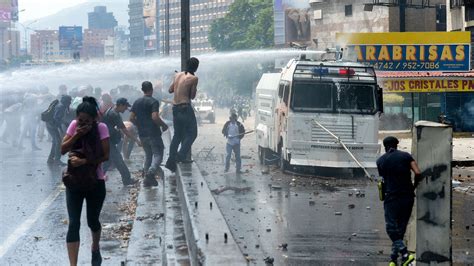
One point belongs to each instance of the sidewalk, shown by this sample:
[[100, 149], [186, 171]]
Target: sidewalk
[[179, 223]]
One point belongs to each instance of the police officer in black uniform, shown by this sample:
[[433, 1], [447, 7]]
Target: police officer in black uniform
[[395, 168]]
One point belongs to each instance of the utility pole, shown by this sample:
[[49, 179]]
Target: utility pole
[[185, 34], [402, 7], [185, 41]]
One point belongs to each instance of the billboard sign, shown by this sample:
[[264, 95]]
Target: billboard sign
[[291, 22], [427, 85], [149, 15], [5, 10], [409, 51], [70, 38]]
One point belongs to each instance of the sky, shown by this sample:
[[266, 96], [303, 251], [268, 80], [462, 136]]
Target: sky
[[40, 8]]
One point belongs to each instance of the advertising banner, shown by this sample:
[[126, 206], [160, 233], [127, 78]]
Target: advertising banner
[[427, 85], [410, 51], [5, 10], [70, 38]]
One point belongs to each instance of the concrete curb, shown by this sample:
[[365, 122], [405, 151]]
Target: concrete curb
[[461, 163], [204, 223], [146, 243]]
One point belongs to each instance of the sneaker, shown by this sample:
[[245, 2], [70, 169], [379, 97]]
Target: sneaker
[[392, 263], [150, 181], [408, 259], [96, 258], [171, 166], [185, 161], [130, 182]]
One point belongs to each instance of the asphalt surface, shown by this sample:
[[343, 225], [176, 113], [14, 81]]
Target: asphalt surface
[[309, 220], [33, 214], [296, 220]]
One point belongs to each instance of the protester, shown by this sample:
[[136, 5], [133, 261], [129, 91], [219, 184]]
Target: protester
[[31, 113], [91, 139], [128, 143], [184, 88], [116, 127], [394, 167], [62, 90], [145, 115], [54, 128], [234, 131]]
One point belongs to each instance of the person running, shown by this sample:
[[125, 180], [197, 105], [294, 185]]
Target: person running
[[55, 129], [184, 88], [116, 127], [87, 135], [234, 131], [145, 115], [395, 168]]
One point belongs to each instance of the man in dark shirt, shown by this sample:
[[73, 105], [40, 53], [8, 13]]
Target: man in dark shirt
[[145, 115], [55, 129], [116, 127], [395, 168]]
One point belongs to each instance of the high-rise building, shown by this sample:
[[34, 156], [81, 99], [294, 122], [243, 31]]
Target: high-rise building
[[137, 25], [203, 13], [101, 19]]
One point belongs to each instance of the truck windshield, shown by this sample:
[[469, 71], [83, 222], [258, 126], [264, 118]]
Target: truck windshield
[[312, 97], [333, 97], [355, 98]]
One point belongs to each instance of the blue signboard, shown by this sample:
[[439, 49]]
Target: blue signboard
[[70, 38], [414, 57], [410, 51]]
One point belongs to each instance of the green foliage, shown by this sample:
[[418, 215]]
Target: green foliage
[[248, 25]]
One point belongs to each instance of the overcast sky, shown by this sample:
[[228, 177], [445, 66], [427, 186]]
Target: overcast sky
[[39, 8]]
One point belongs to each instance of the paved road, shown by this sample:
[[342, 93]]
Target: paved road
[[321, 219]]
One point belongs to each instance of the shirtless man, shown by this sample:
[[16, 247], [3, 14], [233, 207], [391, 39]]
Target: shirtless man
[[184, 88]]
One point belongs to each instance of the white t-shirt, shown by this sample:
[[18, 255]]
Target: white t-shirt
[[232, 134]]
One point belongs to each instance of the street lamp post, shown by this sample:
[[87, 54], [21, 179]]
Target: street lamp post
[[25, 32]]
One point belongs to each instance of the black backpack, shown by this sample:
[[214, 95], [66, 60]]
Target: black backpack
[[48, 114]]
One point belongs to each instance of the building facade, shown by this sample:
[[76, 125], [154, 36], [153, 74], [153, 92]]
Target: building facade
[[94, 41], [203, 13], [44, 46], [330, 17], [101, 19], [10, 44], [460, 17]]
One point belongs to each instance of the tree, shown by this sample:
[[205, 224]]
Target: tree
[[248, 25]]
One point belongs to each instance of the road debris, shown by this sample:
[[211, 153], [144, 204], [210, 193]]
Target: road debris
[[269, 260], [235, 189]]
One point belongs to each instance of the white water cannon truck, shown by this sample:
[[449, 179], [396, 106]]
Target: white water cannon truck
[[319, 113]]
